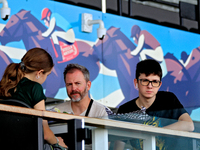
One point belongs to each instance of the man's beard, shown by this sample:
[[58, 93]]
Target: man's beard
[[82, 95]]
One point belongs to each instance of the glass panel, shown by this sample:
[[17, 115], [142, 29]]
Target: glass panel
[[127, 133]]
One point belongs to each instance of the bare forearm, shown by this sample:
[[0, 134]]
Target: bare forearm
[[181, 125], [48, 134]]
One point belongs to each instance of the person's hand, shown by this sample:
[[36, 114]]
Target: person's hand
[[61, 142]]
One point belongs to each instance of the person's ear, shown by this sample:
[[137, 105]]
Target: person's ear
[[89, 85], [38, 73], [160, 84], [136, 85]]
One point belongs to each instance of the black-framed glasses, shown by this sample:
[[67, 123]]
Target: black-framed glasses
[[154, 83]]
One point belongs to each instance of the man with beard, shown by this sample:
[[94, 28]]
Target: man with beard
[[77, 80]]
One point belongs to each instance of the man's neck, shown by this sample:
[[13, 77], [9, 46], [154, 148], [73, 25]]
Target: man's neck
[[145, 102], [79, 107]]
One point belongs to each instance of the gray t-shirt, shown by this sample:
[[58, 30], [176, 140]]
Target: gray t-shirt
[[97, 110]]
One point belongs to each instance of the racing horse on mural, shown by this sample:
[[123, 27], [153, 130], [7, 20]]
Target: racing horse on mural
[[114, 51], [24, 26], [185, 75]]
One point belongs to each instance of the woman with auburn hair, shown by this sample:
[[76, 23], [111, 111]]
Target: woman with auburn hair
[[23, 81]]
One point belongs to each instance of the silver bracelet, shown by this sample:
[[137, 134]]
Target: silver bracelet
[[57, 139]]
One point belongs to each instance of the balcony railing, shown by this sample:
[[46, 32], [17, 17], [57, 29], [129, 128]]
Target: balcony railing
[[105, 131]]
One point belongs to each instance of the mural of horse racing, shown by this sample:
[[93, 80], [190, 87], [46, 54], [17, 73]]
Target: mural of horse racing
[[117, 51], [118, 58], [24, 26]]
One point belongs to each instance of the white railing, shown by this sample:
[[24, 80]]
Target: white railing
[[101, 128]]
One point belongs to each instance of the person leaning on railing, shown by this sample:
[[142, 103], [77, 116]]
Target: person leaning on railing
[[157, 103], [164, 107], [23, 81]]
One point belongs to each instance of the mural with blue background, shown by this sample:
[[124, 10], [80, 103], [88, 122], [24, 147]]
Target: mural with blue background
[[111, 61]]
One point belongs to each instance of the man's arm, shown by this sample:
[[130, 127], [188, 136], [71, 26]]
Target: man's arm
[[184, 123]]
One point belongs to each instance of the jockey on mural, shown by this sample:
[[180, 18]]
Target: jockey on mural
[[61, 34], [147, 46]]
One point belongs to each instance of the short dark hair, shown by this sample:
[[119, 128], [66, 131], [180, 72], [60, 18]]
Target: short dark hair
[[148, 66], [71, 67]]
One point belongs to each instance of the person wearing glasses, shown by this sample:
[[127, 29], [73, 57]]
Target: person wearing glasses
[[159, 104], [164, 107]]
